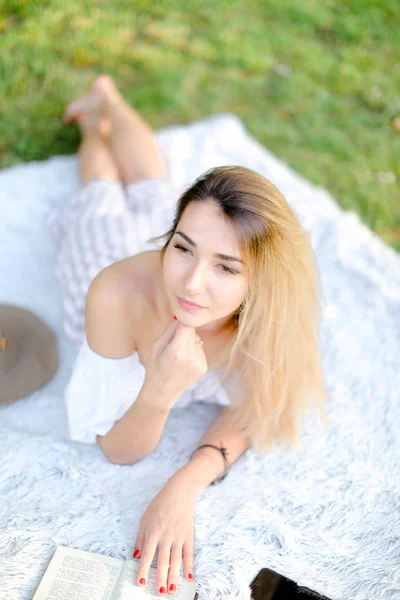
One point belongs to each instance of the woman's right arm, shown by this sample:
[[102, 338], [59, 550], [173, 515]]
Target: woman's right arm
[[109, 330], [137, 433]]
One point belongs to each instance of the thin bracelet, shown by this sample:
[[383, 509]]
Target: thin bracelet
[[224, 452]]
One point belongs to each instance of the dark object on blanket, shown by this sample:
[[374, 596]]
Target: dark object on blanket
[[28, 353], [269, 585]]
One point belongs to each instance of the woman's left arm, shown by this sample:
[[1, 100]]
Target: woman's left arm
[[207, 463], [168, 523]]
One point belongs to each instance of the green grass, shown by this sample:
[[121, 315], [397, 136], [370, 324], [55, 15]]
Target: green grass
[[330, 112]]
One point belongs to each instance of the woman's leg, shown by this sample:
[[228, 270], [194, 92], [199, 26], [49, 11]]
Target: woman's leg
[[132, 141], [96, 160]]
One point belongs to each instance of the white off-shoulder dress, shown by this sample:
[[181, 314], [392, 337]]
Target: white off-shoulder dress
[[106, 222]]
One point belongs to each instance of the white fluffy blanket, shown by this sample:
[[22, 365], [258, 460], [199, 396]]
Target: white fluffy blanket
[[327, 517]]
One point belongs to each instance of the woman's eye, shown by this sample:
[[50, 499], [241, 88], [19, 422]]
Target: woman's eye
[[228, 270], [185, 250], [181, 247]]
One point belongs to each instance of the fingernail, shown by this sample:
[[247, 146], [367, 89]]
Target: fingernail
[[190, 576], [142, 581], [162, 590], [175, 318], [136, 553], [172, 587]]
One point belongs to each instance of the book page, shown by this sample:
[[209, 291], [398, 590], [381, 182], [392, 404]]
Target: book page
[[129, 590], [79, 575]]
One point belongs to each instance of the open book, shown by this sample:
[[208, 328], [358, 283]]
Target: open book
[[80, 575]]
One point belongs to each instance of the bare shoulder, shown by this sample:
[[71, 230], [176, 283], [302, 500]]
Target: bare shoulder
[[115, 302]]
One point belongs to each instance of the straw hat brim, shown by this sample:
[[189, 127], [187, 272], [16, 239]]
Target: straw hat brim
[[28, 354]]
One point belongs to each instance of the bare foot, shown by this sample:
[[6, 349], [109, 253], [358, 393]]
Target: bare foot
[[88, 123], [92, 106]]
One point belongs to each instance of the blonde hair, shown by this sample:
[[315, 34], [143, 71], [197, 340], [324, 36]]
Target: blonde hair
[[275, 350]]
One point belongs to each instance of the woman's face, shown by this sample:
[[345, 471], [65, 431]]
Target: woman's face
[[193, 272]]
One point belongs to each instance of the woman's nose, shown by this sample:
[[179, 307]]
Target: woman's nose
[[197, 279]]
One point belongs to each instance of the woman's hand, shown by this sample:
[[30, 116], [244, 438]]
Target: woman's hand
[[167, 524], [176, 362]]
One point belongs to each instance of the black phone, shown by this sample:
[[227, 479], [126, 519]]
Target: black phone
[[269, 585]]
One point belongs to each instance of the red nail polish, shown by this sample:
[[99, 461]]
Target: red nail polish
[[162, 590], [136, 553], [190, 576], [142, 581], [175, 318], [172, 587]]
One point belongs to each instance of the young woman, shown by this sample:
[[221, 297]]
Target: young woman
[[233, 246]]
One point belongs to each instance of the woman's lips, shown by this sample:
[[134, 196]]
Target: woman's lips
[[187, 306]]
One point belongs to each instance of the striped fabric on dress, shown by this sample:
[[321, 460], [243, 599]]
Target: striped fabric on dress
[[103, 223]]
